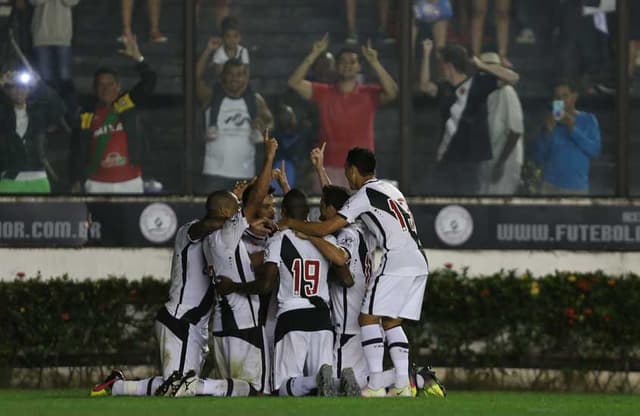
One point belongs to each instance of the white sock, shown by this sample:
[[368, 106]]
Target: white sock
[[144, 387], [399, 352], [223, 388], [419, 381], [298, 386], [373, 346], [389, 378]]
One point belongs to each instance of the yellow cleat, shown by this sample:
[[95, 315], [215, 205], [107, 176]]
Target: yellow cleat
[[104, 388]]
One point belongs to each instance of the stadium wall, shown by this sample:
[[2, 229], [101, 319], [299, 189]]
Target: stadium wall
[[96, 263]]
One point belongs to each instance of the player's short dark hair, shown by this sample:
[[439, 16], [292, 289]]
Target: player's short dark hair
[[218, 199], [249, 189], [346, 50], [229, 23], [363, 159], [334, 196], [231, 63], [566, 82], [295, 204], [457, 56], [105, 70]]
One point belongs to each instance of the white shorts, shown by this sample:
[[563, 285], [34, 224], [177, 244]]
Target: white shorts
[[348, 353], [183, 346], [303, 343], [132, 186], [395, 296], [243, 356]]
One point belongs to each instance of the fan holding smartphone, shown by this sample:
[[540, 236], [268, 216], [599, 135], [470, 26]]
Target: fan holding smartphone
[[569, 141]]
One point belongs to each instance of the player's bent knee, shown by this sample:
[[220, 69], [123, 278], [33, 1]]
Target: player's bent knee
[[388, 323], [365, 319]]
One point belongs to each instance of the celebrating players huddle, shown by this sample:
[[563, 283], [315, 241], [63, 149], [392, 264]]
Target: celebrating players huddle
[[297, 308]]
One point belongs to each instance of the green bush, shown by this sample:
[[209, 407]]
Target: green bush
[[563, 320]]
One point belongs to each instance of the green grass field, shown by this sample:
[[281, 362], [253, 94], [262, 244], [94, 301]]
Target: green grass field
[[77, 402]]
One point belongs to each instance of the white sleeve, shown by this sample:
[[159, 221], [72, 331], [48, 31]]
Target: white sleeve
[[219, 57], [244, 56], [233, 229], [356, 205], [348, 241], [514, 119], [272, 250]]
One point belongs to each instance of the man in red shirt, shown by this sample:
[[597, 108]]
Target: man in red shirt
[[346, 108], [107, 147]]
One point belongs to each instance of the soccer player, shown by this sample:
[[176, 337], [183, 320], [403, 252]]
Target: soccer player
[[303, 339], [239, 340], [396, 291], [182, 324]]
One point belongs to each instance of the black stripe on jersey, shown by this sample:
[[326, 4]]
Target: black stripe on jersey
[[379, 200], [226, 316], [183, 260], [374, 220], [307, 320], [194, 315], [362, 253], [244, 280], [229, 387], [345, 306], [344, 338], [149, 384]]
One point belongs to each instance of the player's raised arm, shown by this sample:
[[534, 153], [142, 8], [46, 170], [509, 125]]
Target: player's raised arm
[[261, 188], [317, 160]]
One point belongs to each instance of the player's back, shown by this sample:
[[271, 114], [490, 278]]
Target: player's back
[[302, 269], [386, 214], [190, 284]]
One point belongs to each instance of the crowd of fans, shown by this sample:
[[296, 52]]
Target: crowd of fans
[[480, 149]]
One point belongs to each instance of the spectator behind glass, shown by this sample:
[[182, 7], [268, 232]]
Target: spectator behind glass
[[383, 26], [52, 28], [478, 14], [289, 149], [346, 108], [153, 8], [231, 47], [235, 117], [465, 142], [107, 149], [27, 108], [569, 140], [501, 175]]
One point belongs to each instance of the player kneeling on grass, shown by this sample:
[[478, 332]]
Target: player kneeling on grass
[[304, 335], [182, 323]]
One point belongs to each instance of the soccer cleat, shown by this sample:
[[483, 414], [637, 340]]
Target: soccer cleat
[[170, 385], [400, 392], [348, 384], [187, 386], [369, 392], [432, 386], [104, 388], [324, 381]]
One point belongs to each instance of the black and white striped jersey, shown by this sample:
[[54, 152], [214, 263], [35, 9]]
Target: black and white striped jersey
[[385, 212], [225, 251], [347, 302], [191, 292], [303, 271]]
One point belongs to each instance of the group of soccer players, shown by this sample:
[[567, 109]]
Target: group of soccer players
[[297, 308]]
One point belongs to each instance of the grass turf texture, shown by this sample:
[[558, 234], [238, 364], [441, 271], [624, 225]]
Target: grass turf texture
[[77, 402]]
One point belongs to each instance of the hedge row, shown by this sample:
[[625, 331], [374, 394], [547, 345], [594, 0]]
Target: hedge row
[[561, 320]]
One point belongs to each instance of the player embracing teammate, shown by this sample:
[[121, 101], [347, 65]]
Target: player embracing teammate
[[334, 314]]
